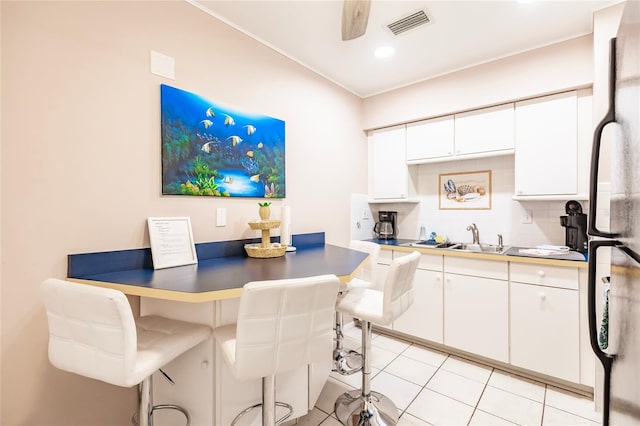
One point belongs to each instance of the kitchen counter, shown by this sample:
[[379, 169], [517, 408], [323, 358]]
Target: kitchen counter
[[402, 245], [222, 269]]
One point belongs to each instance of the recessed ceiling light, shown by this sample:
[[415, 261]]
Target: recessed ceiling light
[[384, 52]]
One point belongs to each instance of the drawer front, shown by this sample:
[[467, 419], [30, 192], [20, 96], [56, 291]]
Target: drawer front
[[551, 276], [477, 267], [430, 262]]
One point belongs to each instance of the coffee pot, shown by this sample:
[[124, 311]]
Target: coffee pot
[[386, 228]]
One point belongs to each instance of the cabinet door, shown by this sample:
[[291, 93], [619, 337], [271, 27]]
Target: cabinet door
[[424, 318], [484, 130], [545, 331], [476, 315], [430, 139], [546, 157], [388, 163]]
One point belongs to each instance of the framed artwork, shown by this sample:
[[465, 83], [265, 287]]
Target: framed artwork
[[465, 190], [171, 242], [212, 150]]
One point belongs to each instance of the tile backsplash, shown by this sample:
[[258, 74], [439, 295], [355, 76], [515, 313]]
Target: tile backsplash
[[505, 217]]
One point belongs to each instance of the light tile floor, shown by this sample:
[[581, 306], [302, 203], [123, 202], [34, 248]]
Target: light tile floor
[[434, 388]]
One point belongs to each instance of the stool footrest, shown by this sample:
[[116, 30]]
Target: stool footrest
[[279, 404], [134, 419], [347, 362]]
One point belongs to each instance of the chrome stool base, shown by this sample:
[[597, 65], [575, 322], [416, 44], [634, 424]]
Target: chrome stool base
[[353, 409], [347, 362]]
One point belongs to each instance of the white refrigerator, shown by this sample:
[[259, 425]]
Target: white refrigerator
[[620, 356]]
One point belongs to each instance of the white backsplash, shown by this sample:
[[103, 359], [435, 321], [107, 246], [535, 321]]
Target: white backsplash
[[505, 216]]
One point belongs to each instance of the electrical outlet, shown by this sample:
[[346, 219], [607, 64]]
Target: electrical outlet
[[365, 214], [527, 216]]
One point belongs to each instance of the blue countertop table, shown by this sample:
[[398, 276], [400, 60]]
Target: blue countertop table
[[222, 269]]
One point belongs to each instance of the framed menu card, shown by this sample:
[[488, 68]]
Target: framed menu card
[[171, 242]]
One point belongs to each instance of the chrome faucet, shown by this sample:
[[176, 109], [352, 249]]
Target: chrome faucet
[[474, 231], [500, 245]]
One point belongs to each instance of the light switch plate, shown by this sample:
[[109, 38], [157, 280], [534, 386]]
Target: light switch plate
[[221, 216], [527, 216]]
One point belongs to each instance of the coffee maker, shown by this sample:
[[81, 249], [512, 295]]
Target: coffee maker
[[386, 228], [575, 223]]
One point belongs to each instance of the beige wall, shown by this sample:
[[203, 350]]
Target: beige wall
[[554, 68], [81, 162]]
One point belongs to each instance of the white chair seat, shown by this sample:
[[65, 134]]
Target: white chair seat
[[355, 283], [160, 341], [364, 304], [365, 406], [92, 333], [282, 325]]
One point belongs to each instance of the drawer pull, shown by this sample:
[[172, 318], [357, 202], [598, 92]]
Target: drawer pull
[[541, 273], [542, 296]]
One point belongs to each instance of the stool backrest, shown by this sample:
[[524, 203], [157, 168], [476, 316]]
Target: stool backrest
[[369, 269], [398, 286], [91, 330], [284, 324]]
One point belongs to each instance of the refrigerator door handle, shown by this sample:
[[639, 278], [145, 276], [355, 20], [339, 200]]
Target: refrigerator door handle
[[610, 117], [605, 358]]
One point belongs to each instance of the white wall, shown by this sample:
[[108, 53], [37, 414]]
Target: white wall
[[81, 162], [555, 68], [504, 217]]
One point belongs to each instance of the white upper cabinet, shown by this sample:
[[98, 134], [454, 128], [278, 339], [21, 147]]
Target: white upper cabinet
[[430, 139], [485, 130], [546, 158], [388, 172]]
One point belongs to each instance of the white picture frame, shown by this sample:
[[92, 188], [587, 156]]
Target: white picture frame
[[171, 241]]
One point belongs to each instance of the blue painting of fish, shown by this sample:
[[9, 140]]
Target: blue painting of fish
[[212, 150]]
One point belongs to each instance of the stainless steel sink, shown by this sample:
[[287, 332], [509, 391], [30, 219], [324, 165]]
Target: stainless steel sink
[[466, 247], [479, 248]]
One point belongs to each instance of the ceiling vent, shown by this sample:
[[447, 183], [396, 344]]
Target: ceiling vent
[[409, 22]]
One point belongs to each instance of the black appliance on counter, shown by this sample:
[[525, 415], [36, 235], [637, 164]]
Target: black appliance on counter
[[387, 226], [575, 223]]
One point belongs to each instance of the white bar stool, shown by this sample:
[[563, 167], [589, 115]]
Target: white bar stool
[[282, 325], [92, 333], [347, 362], [364, 406]]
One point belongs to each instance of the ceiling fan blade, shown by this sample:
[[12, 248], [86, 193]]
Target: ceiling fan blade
[[355, 15]]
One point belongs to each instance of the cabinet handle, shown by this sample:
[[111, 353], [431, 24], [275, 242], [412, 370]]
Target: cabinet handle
[[542, 296], [541, 273], [438, 277]]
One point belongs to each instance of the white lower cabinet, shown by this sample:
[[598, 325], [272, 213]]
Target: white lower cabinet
[[526, 315], [544, 330], [476, 308], [545, 320], [424, 318]]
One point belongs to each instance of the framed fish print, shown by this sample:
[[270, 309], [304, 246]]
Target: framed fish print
[[465, 190], [212, 150]]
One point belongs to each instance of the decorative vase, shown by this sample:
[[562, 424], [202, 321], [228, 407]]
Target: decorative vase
[[264, 212]]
